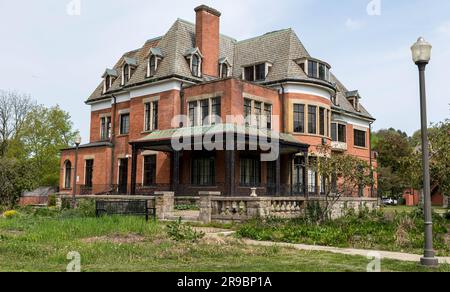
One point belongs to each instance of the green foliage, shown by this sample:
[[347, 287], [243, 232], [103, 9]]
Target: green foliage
[[186, 207], [366, 230], [15, 178], [180, 232], [51, 201], [85, 209]]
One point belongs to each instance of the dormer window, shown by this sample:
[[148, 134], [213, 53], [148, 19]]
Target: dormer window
[[353, 97], [128, 67], [315, 69], [194, 57], [257, 72], [155, 57], [109, 77], [224, 68]]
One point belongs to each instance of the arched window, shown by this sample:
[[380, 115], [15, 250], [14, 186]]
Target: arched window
[[195, 65], [126, 73], [152, 65], [67, 174]]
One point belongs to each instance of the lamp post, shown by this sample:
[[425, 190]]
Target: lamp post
[[421, 52], [77, 145]]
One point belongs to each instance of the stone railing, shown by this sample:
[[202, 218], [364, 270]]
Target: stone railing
[[226, 209]]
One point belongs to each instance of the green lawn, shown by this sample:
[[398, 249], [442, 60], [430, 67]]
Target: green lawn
[[34, 243]]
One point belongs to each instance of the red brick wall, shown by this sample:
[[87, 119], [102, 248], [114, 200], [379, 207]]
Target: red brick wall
[[207, 40]]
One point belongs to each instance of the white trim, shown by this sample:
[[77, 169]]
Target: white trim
[[155, 89], [102, 105], [309, 89]]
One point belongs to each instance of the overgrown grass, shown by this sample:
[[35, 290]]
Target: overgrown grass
[[41, 241], [395, 232]]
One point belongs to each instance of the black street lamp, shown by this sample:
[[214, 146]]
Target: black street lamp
[[77, 145], [421, 52]]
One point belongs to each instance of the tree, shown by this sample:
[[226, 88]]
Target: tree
[[14, 108], [345, 176], [45, 133], [15, 178]]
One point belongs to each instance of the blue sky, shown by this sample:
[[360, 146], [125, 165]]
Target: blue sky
[[58, 58]]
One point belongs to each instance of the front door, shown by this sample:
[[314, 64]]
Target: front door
[[123, 176]]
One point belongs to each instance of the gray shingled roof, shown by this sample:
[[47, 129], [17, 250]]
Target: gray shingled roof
[[281, 48]]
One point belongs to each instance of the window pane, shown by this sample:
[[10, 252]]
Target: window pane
[[360, 138], [322, 121], [203, 171], [260, 72], [258, 112], [195, 65], [193, 113], [268, 113], [68, 175], [299, 118], [334, 137], [247, 111], [342, 133], [224, 71], [152, 65], [250, 172], [126, 73], [312, 119], [124, 124], [147, 117], [312, 69], [103, 129], [216, 110], [89, 173], [149, 170], [322, 71], [249, 73], [205, 112], [155, 116]]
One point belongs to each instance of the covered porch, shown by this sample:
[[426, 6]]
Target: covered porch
[[232, 170]]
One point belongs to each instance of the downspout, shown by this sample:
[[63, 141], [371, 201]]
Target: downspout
[[371, 162], [283, 97], [113, 140], [181, 103]]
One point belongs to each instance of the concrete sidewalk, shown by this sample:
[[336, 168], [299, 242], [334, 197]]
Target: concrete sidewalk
[[348, 251]]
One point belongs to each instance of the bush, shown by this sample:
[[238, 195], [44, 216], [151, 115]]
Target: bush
[[447, 215], [51, 201], [179, 232], [85, 209], [10, 214]]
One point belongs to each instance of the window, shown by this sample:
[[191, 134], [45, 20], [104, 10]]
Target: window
[[312, 119], [256, 72], [203, 171], [249, 73], [149, 170], [268, 114], [360, 138], [260, 72], [89, 173], [151, 116], [204, 104], [195, 65], [322, 121], [223, 70], [312, 69], [258, 113], [193, 116], [107, 82], [216, 110], [250, 171], [152, 66], [105, 128], [338, 133], [247, 111], [322, 72], [67, 174], [126, 73], [124, 124], [299, 118]]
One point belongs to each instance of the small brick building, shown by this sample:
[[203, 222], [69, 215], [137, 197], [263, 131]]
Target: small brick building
[[271, 81]]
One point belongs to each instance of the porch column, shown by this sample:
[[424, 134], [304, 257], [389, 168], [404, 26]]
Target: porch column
[[175, 181], [305, 174], [230, 164], [278, 176], [134, 152]]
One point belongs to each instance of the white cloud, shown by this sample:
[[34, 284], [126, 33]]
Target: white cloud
[[354, 24]]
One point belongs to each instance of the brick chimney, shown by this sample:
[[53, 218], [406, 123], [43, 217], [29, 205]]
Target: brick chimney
[[207, 29]]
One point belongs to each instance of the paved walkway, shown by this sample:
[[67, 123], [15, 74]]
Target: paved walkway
[[405, 257]]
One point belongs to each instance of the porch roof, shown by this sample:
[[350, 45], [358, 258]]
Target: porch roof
[[160, 138]]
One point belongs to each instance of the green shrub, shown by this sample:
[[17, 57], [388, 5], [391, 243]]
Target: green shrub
[[186, 207], [51, 201], [85, 209], [180, 232]]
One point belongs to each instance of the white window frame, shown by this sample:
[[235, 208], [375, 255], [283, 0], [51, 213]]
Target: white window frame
[[267, 65], [149, 118], [157, 60], [200, 63], [106, 124], [198, 114], [261, 121]]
